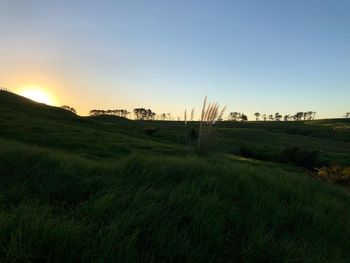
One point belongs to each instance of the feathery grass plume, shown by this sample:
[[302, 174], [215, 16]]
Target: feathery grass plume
[[210, 115], [192, 114], [185, 119]]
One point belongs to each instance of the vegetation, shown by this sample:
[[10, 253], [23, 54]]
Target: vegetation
[[144, 114], [98, 189], [150, 130], [335, 174], [68, 108], [117, 112], [299, 116], [210, 115], [236, 116]]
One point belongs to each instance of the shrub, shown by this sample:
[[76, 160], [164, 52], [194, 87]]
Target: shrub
[[193, 134], [150, 130], [308, 159], [259, 153], [299, 131], [334, 174], [304, 158]]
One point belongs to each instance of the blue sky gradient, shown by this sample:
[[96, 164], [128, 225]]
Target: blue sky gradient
[[266, 56]]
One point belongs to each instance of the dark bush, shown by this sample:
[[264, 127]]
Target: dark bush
[[150, 130], [304, 158], [193, 135], [299, 131], [259, 154], [308, 159], [247, 152]]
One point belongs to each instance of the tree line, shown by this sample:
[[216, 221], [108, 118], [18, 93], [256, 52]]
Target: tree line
[[148, 114], [299, 116], [237, 116], [117, 112]]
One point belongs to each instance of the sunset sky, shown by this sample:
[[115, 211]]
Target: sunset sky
[[266, 56]]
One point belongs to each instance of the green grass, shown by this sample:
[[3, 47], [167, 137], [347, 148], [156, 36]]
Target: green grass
[[79, 189]]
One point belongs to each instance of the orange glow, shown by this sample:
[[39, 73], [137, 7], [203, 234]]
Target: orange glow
[[37, 94]]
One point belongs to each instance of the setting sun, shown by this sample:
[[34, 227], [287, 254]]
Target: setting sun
[[37, 94]]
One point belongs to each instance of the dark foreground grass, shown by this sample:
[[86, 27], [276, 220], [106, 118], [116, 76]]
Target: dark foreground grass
[[59, 207], [81, 189]]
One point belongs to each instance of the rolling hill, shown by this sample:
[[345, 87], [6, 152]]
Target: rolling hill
[[83, 189]]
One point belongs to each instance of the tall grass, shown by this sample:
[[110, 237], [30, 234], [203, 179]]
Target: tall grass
[[58, 207], [211, 113], [188, 127], [92, 191]]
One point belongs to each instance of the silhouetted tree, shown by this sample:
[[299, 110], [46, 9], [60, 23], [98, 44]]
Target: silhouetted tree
[[234, 116], [304, 115], [298, 116], [117, 112], [347, 115], [264, 117], [257, 116], [311, 115], [5, 89], [286, 117], [278, 116], [71, 109], [244, 117], [271, 117], [144, 114]]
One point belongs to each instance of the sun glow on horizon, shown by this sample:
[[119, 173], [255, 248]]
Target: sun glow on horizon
[[37, 94]]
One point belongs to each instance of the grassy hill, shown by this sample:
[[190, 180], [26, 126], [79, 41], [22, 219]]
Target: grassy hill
[[81, 189]]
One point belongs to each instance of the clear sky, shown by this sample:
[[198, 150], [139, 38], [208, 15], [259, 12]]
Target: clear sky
[[266, 56]]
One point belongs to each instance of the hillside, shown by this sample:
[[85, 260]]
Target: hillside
[[81, 189]]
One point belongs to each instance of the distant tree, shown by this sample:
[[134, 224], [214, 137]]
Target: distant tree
[[257, 116], [298, 116], [117, 112], [71, 109], [144, 114], [234, 116], [347, 115], [93, 113], [264, 117], [278, 116], [5, 89], [271, 118], [286, 117], [163, 116], [121, 113], [244, 117], [311, 115], [139, 113]]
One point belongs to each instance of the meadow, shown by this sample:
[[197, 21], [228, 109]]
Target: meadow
[[100, 189]]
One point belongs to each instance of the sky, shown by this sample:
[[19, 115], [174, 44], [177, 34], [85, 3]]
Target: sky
[[253, 56]]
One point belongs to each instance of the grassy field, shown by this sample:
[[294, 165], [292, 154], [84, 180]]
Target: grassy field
[[84, 189]]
